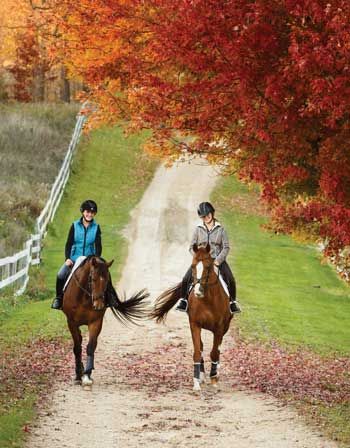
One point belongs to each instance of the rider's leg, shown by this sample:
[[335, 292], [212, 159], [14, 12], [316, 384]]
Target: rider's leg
[[112, 298], [226, 272], [185, 286], [60, 281]]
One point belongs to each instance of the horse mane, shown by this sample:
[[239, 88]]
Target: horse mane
[[165, 302]]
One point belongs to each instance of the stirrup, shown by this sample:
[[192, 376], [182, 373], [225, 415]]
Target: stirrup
[[182, 305], [234, 307]]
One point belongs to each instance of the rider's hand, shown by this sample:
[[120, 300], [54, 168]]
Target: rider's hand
[[216, 268], [69, 262]]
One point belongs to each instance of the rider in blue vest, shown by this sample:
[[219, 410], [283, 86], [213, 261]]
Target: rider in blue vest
[[84, 238]]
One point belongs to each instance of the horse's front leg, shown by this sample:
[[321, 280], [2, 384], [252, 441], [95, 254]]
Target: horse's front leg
[[202, 369], [196, 338], [215, 357], [94, 331], [77, 339]]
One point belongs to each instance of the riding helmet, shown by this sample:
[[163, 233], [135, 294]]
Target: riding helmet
[[205, 208], [89, 205]]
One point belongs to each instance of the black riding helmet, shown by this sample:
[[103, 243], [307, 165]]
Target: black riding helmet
[[89, 205], [205, 208]]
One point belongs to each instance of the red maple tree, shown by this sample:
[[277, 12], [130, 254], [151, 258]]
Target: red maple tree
[[260, 86]]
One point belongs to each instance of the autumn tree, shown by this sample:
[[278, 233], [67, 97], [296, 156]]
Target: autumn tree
[[261, 87]]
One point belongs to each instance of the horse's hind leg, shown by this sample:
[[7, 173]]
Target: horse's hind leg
[[94, 331], [77, 339], [196, 338], [215, 357]]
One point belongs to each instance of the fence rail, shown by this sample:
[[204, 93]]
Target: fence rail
[[14, 269]]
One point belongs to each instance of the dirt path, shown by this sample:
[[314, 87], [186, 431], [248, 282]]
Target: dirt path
[[142, 393]]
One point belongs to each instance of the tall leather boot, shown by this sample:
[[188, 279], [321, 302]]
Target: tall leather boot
[[112, 298], [58, 301]]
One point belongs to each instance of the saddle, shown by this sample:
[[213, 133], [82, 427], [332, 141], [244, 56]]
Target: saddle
[[222, 281], [79, 261]]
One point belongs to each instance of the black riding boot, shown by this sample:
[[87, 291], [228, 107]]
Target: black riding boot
[[58, 301], [112, 298], [231, 284], [182, 304]]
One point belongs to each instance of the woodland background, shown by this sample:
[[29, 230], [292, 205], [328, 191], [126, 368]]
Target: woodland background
[[258, 87]]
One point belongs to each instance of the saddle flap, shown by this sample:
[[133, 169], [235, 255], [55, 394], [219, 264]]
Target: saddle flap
[[79, 261]]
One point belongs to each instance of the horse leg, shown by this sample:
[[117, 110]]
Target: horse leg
[[196, 338], [94, 331], [215, 357], [77, 339], [202, 370]]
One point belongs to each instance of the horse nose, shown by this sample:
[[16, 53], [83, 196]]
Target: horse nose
[[98, 303], [98, 307], [198, 290]]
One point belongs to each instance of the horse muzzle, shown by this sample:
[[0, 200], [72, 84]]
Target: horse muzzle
[[199, 290], [98, 303]]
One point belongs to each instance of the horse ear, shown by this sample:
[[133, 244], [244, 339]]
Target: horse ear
[[109, 264], [93, 261], [207, 247], [195, 248]]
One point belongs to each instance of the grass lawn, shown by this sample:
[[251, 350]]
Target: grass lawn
[[288, 296], [33, 142], [111, 170], [286, 293]]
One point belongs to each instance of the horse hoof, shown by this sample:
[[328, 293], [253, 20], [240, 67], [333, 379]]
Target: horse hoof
[[77, 381], [196, 385], [86, 381], [214, 381]]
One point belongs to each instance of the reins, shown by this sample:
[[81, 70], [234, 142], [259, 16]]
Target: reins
[[89, 293], [89, 290], [206, 283]]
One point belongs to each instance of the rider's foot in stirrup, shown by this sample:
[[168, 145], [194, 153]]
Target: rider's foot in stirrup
[[57, 303], [234, 307], [182, 305]]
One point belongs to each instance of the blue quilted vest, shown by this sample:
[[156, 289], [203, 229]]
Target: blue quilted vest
[[84, 239]]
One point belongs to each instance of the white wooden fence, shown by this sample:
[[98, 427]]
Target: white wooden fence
[[14, 269]]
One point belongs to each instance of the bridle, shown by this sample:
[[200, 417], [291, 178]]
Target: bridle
[[206, 283], [88, 291]]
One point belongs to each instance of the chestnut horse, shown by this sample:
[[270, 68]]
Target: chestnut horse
[[208, 308], [84, 303]]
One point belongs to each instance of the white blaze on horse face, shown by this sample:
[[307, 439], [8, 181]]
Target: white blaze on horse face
[[199, 273]]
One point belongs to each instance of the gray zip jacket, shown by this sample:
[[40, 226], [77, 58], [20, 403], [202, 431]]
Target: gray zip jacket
[[218, 240]]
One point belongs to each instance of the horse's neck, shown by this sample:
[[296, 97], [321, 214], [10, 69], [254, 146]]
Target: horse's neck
[[83, 273]]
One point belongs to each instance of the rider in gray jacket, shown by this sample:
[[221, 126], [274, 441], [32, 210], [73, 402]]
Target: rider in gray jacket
[[210, 231]]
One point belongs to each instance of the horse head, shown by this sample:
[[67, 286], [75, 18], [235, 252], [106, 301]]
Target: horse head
[[98, 282], [202, 263]]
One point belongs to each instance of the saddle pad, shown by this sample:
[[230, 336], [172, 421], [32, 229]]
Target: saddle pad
[[222, 281], [224, 285], [77, 263]]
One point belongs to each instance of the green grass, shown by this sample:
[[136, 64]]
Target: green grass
[[12, 423], [111, 170], [286, 293], [33, 142]]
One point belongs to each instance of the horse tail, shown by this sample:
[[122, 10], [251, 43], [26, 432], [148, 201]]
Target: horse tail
[[165, 302], [131, 310]]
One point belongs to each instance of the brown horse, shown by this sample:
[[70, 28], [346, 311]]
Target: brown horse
[[84, 303], [208, 308]]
